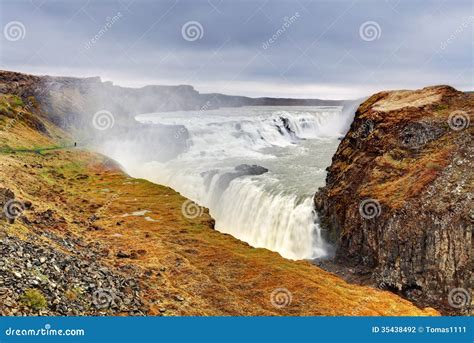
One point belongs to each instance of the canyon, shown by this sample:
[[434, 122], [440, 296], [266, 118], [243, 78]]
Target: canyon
[[400, 152]]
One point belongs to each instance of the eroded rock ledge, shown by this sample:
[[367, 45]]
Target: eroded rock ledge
[[398, 197]]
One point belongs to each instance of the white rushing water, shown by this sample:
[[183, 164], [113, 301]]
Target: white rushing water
[[220, 167]]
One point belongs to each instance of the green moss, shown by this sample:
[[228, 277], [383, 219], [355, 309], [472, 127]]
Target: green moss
[[17, 101], [34, 299]]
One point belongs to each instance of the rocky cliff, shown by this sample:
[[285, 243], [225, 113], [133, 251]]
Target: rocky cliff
[[397, 203]]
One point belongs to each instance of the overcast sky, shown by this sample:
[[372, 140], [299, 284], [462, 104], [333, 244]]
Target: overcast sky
[[298, 48]]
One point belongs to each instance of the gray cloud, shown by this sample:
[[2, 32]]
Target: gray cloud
[[318, 53]]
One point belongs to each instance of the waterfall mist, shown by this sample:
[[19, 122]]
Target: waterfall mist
[[255, 168]]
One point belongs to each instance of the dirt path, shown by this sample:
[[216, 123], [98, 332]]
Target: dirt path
[[36, 150]]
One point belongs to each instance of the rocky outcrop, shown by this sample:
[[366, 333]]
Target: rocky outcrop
[[39, 279], [398, 197]]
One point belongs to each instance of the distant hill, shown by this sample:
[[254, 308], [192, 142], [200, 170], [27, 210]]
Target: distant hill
[[70, 101]]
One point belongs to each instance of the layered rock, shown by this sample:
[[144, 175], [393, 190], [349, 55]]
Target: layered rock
[[398, 197]]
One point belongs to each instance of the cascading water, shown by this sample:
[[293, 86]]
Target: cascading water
[[255, 168]]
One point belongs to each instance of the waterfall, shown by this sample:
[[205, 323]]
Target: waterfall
[[256, 169]]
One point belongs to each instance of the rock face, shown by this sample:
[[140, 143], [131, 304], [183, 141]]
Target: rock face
[[398, 197]]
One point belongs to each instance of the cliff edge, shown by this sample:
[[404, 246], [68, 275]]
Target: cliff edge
[[397, 203]]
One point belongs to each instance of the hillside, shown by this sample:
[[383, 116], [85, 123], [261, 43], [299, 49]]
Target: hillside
[[78, 236]]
